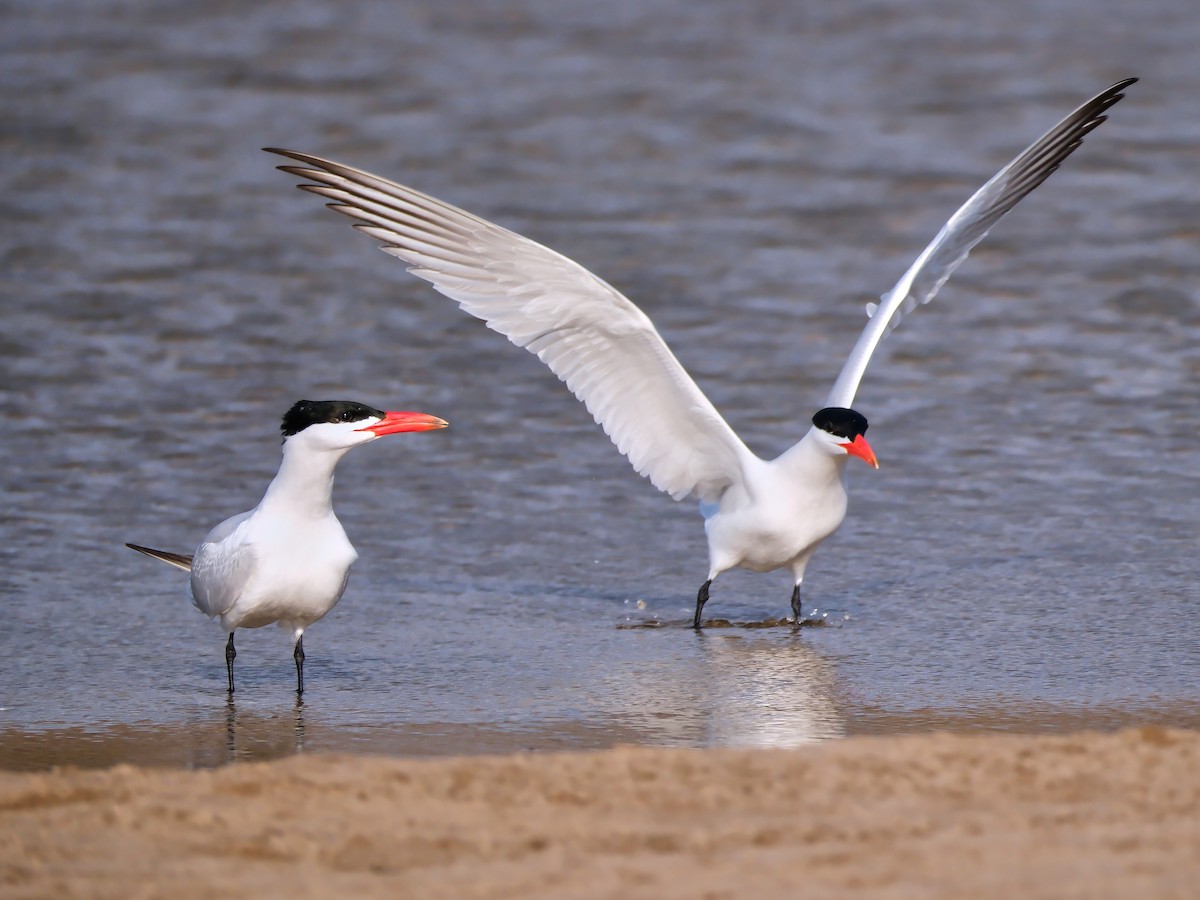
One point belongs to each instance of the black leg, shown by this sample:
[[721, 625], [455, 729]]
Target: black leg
[[298, 655], [701, 599], [230, 656], [797, 609]]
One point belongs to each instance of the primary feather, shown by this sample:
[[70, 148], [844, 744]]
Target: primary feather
[[178, 560]]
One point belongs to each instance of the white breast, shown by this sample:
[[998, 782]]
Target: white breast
[[286, 572]]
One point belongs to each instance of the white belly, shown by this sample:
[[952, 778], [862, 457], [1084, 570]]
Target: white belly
[[775, 530], [294, 598], [267, 572]]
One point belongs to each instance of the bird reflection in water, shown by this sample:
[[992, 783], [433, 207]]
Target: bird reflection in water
[[250, 737], [767, 692], [743, 687]]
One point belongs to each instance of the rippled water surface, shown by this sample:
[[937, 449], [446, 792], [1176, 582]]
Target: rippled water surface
[[751, 174]]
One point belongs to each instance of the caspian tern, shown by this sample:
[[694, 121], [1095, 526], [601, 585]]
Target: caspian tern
[[758, 514], [287, 560]]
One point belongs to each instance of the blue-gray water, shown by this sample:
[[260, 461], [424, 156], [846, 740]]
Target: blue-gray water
[[751, 174]]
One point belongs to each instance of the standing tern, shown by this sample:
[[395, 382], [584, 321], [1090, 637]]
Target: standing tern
[[287, 560], [759, 514]]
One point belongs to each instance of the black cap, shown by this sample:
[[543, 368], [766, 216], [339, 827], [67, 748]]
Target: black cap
[[312, 412], [843, 423]]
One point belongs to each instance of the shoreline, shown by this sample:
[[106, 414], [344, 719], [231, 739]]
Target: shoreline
[[936, 815], [222, 733]]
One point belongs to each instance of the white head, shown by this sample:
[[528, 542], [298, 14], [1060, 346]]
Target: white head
[[338, 425], [841, 432]]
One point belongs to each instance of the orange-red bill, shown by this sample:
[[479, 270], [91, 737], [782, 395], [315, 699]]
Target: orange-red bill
[[396, 422], [860, 448]]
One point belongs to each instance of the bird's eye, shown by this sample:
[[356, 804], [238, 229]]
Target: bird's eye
[[347, 416]]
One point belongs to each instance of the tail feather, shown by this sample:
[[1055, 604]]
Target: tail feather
[[178, 560]]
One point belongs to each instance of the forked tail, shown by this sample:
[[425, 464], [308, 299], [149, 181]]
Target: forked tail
[[178, 560]]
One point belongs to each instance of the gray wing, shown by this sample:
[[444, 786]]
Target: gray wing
[[966, 228], [222, 566], [597, 341]]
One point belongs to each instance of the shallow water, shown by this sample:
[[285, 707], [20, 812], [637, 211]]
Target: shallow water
[[1024, 559]]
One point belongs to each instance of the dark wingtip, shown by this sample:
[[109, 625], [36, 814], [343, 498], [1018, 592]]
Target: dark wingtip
[[1110, 96], [290, 154]]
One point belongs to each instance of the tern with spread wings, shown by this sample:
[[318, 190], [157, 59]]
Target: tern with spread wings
[[759, 514]]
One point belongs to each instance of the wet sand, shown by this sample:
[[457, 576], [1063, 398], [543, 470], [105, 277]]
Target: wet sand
[[941, 815]]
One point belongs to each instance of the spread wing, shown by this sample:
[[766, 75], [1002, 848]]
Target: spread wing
[[966, 228], [597, 341]]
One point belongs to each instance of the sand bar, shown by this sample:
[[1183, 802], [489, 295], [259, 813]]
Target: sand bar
[[942, 815]]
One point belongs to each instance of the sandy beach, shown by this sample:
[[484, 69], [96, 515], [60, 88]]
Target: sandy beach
[[1084, 815]]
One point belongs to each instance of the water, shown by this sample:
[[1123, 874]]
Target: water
[[751, 174]]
